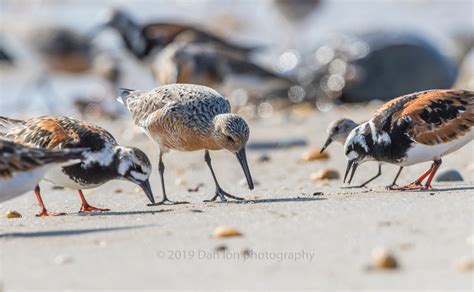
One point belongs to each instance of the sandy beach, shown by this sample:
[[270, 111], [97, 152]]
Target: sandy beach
[[292, 236]]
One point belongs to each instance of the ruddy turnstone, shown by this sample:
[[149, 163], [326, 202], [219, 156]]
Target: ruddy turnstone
[[22, 167], [206, 65], [143, 40], [105, 160], [338, 131], [189, 117], [414, 128]]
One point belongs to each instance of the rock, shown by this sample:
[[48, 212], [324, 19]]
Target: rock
[[263, 158], [222, 231], [449, 175], [314, 154], [383, 259], [12, 214], [325, 174]]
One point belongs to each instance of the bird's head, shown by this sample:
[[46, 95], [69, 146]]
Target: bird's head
[[356, 150], [338, 131], [134, 166], [231, 132]]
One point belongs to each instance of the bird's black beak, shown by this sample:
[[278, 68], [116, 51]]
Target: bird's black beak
[[351, 164], [145, 185], [326, 144], [242, 157]]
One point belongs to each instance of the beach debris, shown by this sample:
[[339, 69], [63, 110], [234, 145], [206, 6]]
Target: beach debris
[[263, 158], [325, 174], [449, 175], [465, 264], [383, 259], [195, 189], [223, 231], [314, 154], [318, 194], [13, 214], [180, 181], [221, 247], [118, 190], [196, 211], [277, 144], [63, 259]]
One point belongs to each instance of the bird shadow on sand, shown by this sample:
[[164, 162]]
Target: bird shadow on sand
[[447, 189], [124, 213], [275, 200], [67, 232]]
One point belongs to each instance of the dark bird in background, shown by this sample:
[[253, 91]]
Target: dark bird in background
[[205, 65], [142, 40]]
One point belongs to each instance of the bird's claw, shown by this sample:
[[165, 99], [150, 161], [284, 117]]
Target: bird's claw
[[167, 202], [223, 195], [90, 209], [45, 213]]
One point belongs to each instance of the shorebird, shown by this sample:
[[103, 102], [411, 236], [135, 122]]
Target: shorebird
[[188, 117], [205, 65], [414, 128], [143, 40], [22, 167], [338, 131], [104, 161]]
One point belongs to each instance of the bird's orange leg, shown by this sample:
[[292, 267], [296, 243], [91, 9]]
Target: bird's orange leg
[[85, 207], [436, 165], [416, 185], [43, 211]]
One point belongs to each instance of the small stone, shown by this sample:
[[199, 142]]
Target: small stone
[[263, 158], [12, 214], [196, 211], [449, 175], [222, 247], [318, 194], [63, 259], [383, 259], [314, 154], [118, 191], [196, 189], [325, 174], [465, 264], [179, 181], [222, 231]]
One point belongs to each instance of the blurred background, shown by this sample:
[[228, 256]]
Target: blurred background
[[70, 57]]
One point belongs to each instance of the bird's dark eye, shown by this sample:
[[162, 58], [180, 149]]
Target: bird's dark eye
[[336, 128], [230, 139]]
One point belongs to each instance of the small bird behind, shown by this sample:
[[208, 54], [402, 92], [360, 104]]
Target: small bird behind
[[189, 117], [104, 161], [207, 65], [22, 167], [143, 40], [338, 131], [414, 128]]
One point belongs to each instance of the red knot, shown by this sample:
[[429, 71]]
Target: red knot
[[190, 117]]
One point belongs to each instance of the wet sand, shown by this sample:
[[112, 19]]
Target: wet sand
[[291, 239]]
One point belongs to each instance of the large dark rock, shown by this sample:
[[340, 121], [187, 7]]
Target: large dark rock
[[449, 175]]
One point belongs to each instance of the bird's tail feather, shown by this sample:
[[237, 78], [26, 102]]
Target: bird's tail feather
[[7, 123]]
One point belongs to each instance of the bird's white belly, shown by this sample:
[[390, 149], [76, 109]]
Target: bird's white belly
[[57, 177], [422, 153], [20, 183]]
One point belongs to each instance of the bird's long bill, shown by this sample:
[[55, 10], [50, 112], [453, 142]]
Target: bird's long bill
[[145, 185], [350, 164], [326, 144], [242, 157]]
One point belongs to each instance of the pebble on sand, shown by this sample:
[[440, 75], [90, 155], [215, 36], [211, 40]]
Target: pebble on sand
[[223, 231], [383, 259], [314, 154], [449, 175], [325, 174], [465, 264], [12, 214]]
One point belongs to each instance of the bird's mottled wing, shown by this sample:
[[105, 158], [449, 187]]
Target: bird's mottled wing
[[440, 116], [53, 132], [18, 158]]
